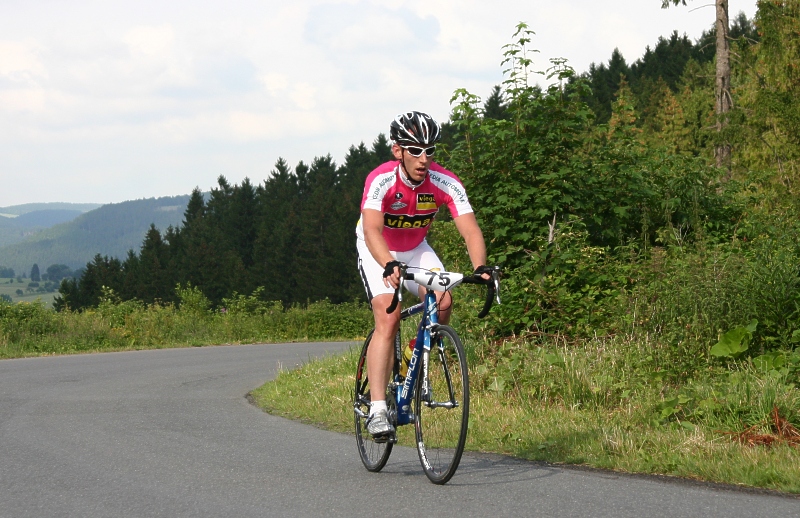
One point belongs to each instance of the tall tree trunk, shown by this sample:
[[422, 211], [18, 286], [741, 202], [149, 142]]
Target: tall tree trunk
[[722, 91]]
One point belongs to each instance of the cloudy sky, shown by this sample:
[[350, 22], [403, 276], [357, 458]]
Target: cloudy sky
[[110, 101]]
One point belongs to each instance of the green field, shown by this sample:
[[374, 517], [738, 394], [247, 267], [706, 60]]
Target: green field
[[10, 286]]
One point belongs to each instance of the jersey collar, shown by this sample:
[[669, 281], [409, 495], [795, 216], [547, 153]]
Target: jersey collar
[[406, 181]]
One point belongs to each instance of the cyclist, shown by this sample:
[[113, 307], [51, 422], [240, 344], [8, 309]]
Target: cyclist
[[400, 200]]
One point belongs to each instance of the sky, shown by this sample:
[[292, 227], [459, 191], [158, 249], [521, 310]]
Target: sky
[[103, 102]]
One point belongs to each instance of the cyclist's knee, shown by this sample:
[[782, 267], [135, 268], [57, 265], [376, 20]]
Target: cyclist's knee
[[385, 323]]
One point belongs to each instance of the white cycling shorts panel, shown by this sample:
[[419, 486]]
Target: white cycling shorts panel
[[371, 272]]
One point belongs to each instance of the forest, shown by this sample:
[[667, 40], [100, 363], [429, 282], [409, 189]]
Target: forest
[[601, 195]]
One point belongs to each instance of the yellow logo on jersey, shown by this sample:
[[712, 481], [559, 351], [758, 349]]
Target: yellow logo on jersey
[[420, 221], [426, 202]]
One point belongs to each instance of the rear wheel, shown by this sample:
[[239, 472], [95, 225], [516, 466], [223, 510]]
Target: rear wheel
[[374, 455], [441, 406]]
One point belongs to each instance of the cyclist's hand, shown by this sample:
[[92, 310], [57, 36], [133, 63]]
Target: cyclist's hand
[[391, 274], [484, 271]]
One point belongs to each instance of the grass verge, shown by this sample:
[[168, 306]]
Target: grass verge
[[30, 329], [592, 405]]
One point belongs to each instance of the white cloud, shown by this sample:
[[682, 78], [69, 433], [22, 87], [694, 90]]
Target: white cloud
[[150, 42], [275, 83], [22, 100], [153, 98], [20, 61], [304, 95]]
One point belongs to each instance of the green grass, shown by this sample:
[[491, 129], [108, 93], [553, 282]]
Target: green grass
[[10, 286], [30, 329], [587, 404]]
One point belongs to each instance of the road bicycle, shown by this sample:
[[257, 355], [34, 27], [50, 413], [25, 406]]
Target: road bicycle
[[437, 381]]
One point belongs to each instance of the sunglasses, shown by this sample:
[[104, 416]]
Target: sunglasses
[[417, 151]]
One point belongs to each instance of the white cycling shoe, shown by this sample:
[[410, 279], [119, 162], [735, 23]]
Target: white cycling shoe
[[379, 427]]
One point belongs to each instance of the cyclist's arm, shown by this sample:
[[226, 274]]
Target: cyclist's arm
[[372, 223], [468, 227]]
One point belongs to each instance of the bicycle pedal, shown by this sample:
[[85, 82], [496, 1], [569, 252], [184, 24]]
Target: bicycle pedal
[[384, 439]]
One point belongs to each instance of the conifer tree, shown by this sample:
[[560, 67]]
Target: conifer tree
[[671, 125], [241, 223], [494, 107], [320, 258], [623, 113], [382, 150], [155, 282], [276, 234], [775, 89]]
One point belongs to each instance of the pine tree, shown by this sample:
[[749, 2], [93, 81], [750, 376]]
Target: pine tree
[[241, 223], [274, 251], [671, 123], [155, 280], [650, 106], [770, 96], [494, 107], [623, 114], [381, 150]]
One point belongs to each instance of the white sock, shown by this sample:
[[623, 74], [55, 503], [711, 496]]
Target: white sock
[[375, 406]]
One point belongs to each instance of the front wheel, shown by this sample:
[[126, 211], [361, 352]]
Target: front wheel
[[374, 455], [441, 406]]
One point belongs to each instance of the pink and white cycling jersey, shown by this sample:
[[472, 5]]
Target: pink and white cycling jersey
[[408, 210]]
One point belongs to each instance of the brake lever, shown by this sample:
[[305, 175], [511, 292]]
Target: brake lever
[[398, 294]]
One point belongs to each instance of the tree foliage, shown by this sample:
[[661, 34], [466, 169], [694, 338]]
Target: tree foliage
[[292, 238], [558, 195]]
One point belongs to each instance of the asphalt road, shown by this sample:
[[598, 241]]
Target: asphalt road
[[170, 433]]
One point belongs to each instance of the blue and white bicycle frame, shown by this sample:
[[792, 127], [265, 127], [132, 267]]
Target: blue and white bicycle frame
[[403, 388], [404, 392]]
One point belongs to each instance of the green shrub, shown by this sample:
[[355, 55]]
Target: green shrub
[[29, 329]]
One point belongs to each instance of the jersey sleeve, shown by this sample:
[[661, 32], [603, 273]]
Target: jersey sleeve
[[378, 183], [453, 193]]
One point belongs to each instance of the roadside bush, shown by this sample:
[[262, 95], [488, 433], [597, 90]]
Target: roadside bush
[[564, 204], [26, 321], [30, 329]]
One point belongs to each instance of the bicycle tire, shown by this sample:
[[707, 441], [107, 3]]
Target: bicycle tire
[[373, 455], [441, 410]]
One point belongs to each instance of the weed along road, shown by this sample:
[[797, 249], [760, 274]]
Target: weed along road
[[170, 433]]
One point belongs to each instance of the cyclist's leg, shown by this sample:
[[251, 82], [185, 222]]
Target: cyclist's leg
[[380, 355], [423, 256], [374, 452]]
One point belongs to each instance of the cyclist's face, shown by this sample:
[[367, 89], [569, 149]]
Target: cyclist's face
[[417, 167]]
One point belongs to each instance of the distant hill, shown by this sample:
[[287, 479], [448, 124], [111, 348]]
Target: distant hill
[[21, 221], [110, 230], [45, 218], [18, 210]]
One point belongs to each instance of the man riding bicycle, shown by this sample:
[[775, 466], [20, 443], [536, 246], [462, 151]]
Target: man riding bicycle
[[400, 200]]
